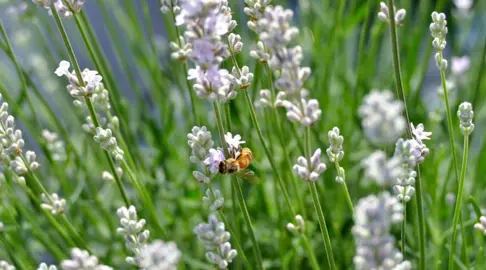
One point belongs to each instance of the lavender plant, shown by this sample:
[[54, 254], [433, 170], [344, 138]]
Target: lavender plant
[[204, 123]]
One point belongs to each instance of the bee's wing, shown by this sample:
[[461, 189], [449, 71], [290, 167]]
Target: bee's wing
[[248, 175]]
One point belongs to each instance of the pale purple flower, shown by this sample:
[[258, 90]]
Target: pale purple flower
[[459, 65], [419, 133], [213, 160]]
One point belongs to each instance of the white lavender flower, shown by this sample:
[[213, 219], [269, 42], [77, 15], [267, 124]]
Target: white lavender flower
[[91, 80], [383, 171], [44, 266], [64, 11], [381, 117], [214, 200], [375, 246], [22, 166], [255, 10], [216, 240], [260, 53], [235, 44], [53, 203], [234, 143], [306, 112], [170, 6], [182, 51], [466, 114], [6, 266], [419, 134], [297, 228], [335, 152], [160, 255], [438, 30], [55, 145], [481, 226], [384, 14], [410, 153], [310, 169], [242, 78], [109, 143], [81, 260], [131, 228], [200, 141]]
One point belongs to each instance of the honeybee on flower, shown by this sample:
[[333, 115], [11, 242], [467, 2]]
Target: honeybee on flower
[[237, 162]]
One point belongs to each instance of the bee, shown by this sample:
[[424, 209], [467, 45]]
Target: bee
[[233, 165], [239, 166]]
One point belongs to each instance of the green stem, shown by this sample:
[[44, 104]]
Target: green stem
[[349, 202], [189, 87], [318, 207], [457, 210], [322, 224], [310, 252], [267, 152], [401, 94], [241, 198]]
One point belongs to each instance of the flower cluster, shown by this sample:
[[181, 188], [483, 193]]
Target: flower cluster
[[6, 266], [63, 9], [109, 143], [273, 26], [375, 246], [381, 117], [160, 255], [214, 199], [310, 169], [53, 203], [438, 29], [466, 114], [297, 228], [201, 142], [216, 240], [11, 146], [207, 24], [335, 152], [55, 145], [384, 14], [81, 260], [44, 266], [91, 80], [383, 171], [132, 230], [170, 6]]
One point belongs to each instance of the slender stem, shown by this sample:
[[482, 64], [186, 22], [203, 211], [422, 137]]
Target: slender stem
[[457, 210], [18, 68], [246, 217], [401, 94], [310, 252], [241, 253], [322, 224], [349, 202], [318, 208], [267, 152], [189, 87], [241, 198], [404, 222]]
